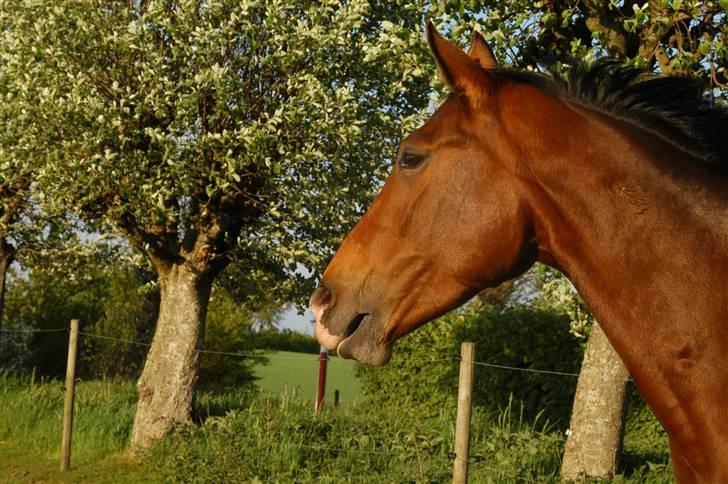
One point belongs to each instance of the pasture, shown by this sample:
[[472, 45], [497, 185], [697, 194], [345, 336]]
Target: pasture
[[241, 436], [294, 374]]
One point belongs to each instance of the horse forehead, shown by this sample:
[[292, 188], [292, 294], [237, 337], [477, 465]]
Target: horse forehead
[[454, 115]]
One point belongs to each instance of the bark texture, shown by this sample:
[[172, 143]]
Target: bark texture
[[7, 254], [167, 383], [594, 442]]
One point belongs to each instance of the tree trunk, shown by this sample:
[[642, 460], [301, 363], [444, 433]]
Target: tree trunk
[[7, 253], [167, 383], [597, 420]]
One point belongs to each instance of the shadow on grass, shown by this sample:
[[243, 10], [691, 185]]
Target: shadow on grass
[[217, 400], [640, 464]]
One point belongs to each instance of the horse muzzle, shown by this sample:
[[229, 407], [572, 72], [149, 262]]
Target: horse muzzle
[[353, 334]]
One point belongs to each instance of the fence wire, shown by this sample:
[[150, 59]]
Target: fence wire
[[55, 330], [110, 338], [313, 357], [515, 368]]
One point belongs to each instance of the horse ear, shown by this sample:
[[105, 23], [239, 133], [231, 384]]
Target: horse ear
[[458, 70], [481, 51]]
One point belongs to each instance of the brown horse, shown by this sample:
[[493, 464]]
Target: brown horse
[[618, 181]]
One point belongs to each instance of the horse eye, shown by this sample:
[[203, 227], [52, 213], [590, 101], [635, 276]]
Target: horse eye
[[410, 160]]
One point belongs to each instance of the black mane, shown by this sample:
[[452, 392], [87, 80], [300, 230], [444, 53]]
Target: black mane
[[673, 108]]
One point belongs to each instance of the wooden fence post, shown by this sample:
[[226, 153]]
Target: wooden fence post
[[68, 404], [321, 390], [462, 425]]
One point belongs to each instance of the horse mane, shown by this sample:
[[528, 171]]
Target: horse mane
[[673, 108]]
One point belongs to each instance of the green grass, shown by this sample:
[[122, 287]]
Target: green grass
[[282, 441], [31, 423], [240, 437], [295, 375]]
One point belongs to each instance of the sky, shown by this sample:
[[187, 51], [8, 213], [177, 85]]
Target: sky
[[295, 322]]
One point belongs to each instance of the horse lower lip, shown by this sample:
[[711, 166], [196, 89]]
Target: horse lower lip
[[354, 325]]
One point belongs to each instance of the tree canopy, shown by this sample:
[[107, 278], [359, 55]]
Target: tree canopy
[[674, 37], [209, 131]]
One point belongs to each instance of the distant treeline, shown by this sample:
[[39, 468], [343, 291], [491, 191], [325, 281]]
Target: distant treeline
[[285, 340], [118, 307]]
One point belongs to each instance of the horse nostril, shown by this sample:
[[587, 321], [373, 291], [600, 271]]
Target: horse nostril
[[320, 300]]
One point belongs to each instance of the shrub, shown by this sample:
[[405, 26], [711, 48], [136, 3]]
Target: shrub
[[229, 328], [40, 301], [423, 370], [130, 307]]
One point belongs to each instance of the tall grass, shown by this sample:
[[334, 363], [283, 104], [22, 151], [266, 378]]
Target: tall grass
[[31, 413], [281, 440], [240, 437]]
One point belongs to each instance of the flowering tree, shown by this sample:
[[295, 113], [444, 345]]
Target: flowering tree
[[207, 132]]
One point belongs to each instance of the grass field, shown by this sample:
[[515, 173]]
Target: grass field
[[239, 437], [296, 374]]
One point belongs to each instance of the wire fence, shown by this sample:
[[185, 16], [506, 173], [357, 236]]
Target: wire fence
[[414, 453], [55, 330], [452, 359]]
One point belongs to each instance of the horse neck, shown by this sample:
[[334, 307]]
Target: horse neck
[[640, 232]]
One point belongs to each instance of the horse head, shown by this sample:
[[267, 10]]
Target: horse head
[[449, 221]]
